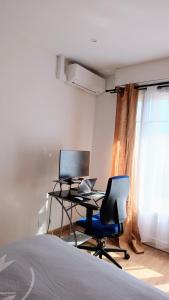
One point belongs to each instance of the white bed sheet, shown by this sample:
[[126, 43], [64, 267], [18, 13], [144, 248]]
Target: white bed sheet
[[47, 268]]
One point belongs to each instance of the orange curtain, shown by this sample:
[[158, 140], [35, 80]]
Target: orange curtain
[[123, 156]]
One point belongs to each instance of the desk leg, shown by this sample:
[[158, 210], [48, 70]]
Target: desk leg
[[71, 217], [61, 228], [50, 209], [74, 233]]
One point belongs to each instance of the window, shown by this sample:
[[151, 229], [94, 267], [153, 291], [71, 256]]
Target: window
[[152, 166]]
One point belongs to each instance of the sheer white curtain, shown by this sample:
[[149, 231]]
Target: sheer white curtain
[[152, 166]]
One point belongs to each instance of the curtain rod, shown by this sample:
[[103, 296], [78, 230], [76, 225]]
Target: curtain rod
[[159, 85]]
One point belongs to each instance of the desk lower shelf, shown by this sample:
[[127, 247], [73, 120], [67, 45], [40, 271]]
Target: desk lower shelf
[[81, 238]]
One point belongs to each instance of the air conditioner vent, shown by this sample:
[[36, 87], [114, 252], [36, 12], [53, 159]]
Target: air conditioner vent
[[84, 79]]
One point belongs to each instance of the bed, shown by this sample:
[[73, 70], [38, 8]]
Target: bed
[[47, 268]]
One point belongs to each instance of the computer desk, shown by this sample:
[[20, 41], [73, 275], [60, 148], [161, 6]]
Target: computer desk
[[72, 197]]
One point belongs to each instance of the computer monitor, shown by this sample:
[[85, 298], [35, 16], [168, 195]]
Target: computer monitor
[[74, 163]]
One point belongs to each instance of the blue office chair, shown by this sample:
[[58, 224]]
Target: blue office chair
[[109, 222]]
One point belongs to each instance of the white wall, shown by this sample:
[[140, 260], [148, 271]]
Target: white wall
[[38, 116], [155, 70], [103, 138], [110, 81]]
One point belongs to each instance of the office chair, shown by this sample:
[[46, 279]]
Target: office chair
[[109, 222]]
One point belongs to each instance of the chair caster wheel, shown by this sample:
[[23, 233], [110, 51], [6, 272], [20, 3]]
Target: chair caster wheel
[[127, 256]]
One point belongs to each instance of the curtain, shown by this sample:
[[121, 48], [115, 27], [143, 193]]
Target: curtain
[[152, 169], [123, 150]]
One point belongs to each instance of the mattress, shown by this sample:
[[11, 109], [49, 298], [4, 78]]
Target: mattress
[[47, 268]]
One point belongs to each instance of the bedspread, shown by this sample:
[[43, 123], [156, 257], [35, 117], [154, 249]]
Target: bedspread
[[47, 268]]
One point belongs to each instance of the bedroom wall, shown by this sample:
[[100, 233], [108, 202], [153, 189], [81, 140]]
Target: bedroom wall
[[103, 138], [155, 70], [39, 115]]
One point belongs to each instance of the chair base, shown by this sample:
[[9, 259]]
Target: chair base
[[100, 250]]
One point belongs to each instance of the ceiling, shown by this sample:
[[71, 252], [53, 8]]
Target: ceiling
[[127, 31]]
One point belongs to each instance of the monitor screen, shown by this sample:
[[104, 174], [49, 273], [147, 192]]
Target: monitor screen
[[74, 163]]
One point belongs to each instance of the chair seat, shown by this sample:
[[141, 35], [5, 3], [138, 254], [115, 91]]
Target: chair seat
[[98, 229]]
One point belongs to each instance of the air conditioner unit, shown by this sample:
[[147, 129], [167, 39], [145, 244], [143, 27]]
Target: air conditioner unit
[[84, 79]]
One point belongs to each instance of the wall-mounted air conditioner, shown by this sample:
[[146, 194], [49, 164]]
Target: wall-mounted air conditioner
[[84, 79]]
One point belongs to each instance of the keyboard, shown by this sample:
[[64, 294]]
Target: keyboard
[[91, 193], [87, 194]]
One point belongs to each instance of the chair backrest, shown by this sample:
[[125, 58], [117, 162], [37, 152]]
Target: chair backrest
[[113, 208]]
